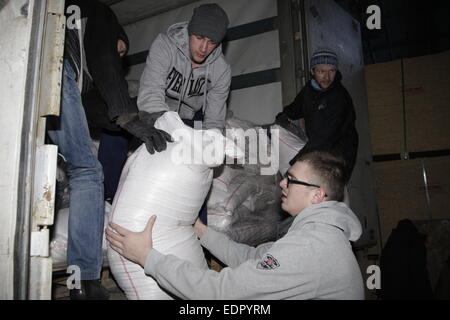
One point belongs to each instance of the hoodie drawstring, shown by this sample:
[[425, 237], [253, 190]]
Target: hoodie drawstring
[[183, 87], [206, 90]]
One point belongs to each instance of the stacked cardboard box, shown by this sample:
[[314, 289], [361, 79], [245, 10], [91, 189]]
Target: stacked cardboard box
[[403, 194], [384, 94], [409, 114], [427, 101]]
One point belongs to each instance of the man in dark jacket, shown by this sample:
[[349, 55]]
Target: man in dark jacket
[[102, 96], [94, 44], [328, 111]]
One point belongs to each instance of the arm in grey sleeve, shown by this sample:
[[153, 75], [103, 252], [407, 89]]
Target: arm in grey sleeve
[[230, 252], [293, 275], [216, 102], [152, 89]]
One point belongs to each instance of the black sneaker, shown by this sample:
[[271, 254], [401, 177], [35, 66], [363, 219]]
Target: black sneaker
[[90, 290]]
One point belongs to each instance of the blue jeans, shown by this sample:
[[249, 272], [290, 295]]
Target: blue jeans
[[86, 211]]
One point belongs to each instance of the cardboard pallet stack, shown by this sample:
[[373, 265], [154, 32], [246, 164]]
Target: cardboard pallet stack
[[409, 115]]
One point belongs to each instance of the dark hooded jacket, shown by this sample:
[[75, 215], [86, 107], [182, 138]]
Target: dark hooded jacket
[[104, 88], [329, 121]]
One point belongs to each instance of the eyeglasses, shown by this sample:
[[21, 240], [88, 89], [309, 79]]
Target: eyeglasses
[[289, 180]]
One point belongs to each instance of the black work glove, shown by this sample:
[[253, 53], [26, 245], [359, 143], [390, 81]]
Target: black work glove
[[267, 128], [153, 138], [150, 118], [282, 119]]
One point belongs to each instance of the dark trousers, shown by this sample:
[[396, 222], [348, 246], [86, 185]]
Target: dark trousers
[[112, 154], [203, 214]]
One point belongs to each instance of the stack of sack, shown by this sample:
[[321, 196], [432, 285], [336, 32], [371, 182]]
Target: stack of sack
[[243, 202]]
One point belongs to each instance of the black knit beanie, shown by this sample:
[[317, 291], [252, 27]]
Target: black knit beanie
[[209, 20]]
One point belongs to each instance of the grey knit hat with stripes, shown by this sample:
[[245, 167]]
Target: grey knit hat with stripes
[[209, 20], [324, 57]]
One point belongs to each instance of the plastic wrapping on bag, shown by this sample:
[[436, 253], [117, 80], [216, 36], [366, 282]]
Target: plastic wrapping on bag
[[223, 176], [244, 203], [59, 234], [255, 212], [290, 144], [256, 220], [245, 133], [62, 186], [291, 140]]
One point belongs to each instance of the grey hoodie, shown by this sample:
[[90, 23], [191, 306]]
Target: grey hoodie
[[170, 83], [314, 260]]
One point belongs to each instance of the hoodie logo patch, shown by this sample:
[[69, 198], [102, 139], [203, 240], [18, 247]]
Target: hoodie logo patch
[[269, 263], [175, 82]]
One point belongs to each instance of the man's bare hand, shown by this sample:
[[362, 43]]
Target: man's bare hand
[[199, 228], [134, 246]]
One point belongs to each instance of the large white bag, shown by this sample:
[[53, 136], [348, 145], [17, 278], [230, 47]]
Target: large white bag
[[225, 197], [160, 184]]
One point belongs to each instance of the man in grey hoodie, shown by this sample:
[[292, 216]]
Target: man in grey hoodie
[[314, 260], [185, 72]]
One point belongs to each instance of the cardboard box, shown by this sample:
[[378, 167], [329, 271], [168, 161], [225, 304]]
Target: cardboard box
[[427, 99], [384, 94], [425, 124], [402, 193]]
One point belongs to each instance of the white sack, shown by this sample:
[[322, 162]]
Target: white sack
[[160, 184], [290, 145], [237, 129], [236, 192], [223, 177], [254, 192]]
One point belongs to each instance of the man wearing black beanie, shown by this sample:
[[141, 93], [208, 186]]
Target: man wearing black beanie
[[186, 72], [209, 21]]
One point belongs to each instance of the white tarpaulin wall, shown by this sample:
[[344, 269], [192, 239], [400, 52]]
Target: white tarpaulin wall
[[260, 52]]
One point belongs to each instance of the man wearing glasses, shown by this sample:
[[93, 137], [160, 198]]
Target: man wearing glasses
[[314, 260]]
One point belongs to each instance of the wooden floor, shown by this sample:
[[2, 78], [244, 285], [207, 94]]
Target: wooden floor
[[61, 292]]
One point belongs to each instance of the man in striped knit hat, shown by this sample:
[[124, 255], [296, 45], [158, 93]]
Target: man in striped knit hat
[[328, 111]]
